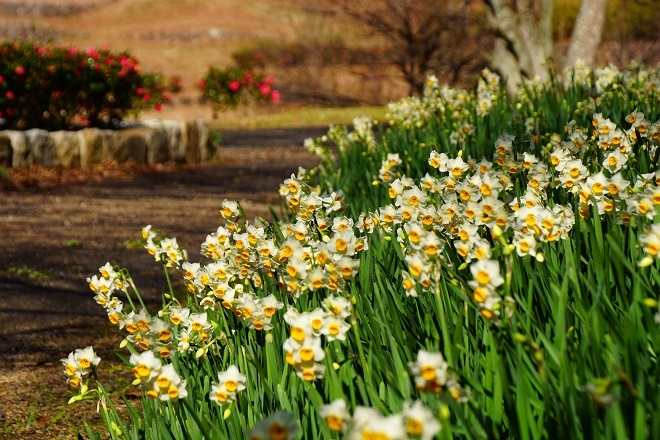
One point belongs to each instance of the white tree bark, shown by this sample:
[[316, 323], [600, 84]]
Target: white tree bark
[[524, 38], [587, 32]]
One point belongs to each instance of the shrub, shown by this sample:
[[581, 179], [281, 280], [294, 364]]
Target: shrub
[[227, 88], [57, 88]]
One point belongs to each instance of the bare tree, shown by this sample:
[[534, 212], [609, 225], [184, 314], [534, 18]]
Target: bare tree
[[524, 42], [423, 36]]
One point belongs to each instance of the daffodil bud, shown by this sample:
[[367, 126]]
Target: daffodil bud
[[269, 338], [335, 365], [497, 231], [123, 343], [650, 302], [445, 413], [136, 382], [540, 257], [463, 266], [226, 414], [519, 337], [645, 262], [201, 352], [84, 388]]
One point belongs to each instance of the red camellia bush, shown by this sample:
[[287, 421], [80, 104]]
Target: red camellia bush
[[65, 88], [228, 88]]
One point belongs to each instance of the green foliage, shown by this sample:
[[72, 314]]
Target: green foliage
[[57, 88], [534, 317], [30, 273]]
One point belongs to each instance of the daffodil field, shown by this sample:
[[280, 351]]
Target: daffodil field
[[477, 267]]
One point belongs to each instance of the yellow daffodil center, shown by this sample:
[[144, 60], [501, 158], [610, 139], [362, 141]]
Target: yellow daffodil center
[[334, 423], [414, 426], [428, 372]]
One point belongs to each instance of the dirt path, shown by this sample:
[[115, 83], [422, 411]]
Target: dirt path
[[66, 233]]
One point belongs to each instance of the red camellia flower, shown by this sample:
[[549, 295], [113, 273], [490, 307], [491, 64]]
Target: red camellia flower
[[92, 53], [2, 79], [275, 96], [9, 94], [20, 70], [201, 84], [234, 86], [264, 89]]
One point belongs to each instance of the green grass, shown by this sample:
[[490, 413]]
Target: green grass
[[292, 118]]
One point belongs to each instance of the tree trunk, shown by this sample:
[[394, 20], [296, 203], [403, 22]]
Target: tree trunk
[[587, 32], [524, 38]]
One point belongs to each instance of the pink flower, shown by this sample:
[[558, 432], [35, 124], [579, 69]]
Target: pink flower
[[158, 107], [275, 96], [2, 79], [58, 95], [139, 91], [92, 53], [201, 84], [9, 94], [20, 70], [146, 97], [234, 86], [264, 89], [41, 51], [269, 80]]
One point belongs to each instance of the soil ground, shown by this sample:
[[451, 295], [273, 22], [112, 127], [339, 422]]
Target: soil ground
[[56, 234]]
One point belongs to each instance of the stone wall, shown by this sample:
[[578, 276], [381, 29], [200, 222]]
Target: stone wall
[[150, 142]]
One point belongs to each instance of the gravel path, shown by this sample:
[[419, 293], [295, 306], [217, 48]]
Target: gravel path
[[66, 233]]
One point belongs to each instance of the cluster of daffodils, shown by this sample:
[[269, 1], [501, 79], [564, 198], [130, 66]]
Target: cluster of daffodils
[[144, 332], [415, 420], [78, 365], [363, 132], [463, 209], [230, 382], [163, 249], [606, 78], [303, 348], [488, 91], [388, 168], [158, 380], [608, 187]]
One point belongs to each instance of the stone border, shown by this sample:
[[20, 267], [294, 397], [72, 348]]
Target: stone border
[[150, 142]]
